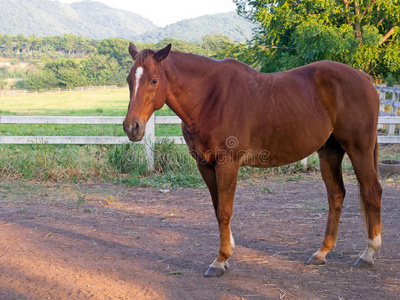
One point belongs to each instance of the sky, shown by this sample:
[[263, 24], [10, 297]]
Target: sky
[[165, 12]]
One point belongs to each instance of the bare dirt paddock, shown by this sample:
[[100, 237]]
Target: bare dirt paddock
[[104, 241]]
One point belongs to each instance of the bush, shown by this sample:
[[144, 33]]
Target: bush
[[173, 158], [41, 80], [21, 84], [129, 158]]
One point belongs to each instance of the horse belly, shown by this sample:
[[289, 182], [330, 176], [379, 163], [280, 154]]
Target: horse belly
[[289, 144]]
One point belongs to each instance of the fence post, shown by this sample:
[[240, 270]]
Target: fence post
[[149, 141], [382, 96], [393, 110], [303, 163]]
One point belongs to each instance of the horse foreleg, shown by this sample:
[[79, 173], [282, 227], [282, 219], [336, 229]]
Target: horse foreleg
[[210, 178], [226, 175]]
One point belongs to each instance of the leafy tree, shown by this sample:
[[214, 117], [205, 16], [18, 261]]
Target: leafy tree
[[239, 51], [364, 34], [41, 80], [177, 44], [67, 71], [100, 70], [3, 83], [8, 44], [116, 48], [70, 42], [212, 44]]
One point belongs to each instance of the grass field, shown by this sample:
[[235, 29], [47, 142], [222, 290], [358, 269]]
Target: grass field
[[174, 166], [77, 163], [86, 103]]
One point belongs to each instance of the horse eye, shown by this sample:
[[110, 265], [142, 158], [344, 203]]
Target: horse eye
[[154, 81]]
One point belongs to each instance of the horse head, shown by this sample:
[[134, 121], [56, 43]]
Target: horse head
[[148, 89]]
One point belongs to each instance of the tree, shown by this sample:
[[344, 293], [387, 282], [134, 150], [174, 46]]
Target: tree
[[116, 48], [41, 80], [70, 41], [364, 34], [212, 44], [3, 83], [101, 70], [68, 72]]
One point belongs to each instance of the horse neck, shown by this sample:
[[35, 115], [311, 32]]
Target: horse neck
[[186, 95]]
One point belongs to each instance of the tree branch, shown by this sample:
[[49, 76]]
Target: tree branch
[[357, 21], [346, 10], [366, 10], [387, 35], [380, 21], [275, 47]]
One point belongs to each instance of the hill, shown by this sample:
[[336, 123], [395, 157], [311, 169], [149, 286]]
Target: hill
[[229, 24], [96, 20], [87, 18]]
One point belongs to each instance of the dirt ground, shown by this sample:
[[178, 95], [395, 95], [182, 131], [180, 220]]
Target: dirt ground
[[104, 241]]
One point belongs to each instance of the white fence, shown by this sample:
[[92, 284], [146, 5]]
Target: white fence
[[148, 140], [58, 90], [387, 118], [392, 104]]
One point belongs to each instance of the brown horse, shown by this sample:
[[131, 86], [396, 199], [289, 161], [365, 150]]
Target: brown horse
[[234, 116]]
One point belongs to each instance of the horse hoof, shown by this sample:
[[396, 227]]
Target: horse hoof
[[214, 272], [362, 263], [315, 261]]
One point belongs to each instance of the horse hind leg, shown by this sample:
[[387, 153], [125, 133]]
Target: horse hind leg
[[330, 157], [366, 170]]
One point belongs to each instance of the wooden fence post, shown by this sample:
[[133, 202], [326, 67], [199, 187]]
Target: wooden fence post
[[393, 109], [382, 96], [303, 163], [149, 141]]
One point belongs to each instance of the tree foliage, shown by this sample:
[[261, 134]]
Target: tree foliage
[[364, 34], [68, 61]]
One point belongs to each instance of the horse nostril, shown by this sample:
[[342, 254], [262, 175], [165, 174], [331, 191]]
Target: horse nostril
[[123, 126], [135, 127]]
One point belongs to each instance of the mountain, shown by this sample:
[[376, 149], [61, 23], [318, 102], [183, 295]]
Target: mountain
[[230, 24], [87, 18], [97, 20]]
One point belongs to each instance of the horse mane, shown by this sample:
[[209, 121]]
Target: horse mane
[[142, 55]]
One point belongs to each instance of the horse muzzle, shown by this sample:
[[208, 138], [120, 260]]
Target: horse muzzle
[[134, 130]]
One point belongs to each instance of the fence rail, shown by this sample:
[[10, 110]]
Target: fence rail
[[391, 119], [148, 140], [58, 90]]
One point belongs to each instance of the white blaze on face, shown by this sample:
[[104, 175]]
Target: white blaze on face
[[138, 75]]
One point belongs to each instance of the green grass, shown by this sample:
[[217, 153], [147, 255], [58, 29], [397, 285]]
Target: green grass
[[75, 103], [86, 103]]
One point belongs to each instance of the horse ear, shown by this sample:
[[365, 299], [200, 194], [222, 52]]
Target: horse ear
[[133, 51], [162, 54]]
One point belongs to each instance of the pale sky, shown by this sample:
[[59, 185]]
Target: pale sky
[[164, 12]]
